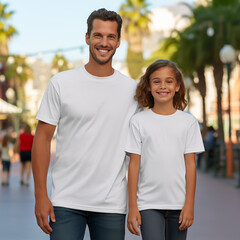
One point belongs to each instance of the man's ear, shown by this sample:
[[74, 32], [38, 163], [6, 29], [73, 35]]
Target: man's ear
[[87, 38], [119, 41]]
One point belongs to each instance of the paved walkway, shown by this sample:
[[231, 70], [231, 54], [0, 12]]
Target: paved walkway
[[216, 217]]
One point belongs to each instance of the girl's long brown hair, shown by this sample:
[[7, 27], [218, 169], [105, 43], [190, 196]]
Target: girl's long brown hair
[[5, 140], [144, 96]]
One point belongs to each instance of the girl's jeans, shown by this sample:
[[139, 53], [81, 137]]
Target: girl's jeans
[[161, 225]]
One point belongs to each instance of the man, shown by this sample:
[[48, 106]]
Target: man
[[91, 106]]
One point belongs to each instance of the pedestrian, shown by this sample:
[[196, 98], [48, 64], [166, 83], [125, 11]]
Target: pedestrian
[[24, 144], [91, 107], [162, 144], [6, 153]]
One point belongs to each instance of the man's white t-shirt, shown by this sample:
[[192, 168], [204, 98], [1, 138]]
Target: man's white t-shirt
[[92, 115], [162, 141]]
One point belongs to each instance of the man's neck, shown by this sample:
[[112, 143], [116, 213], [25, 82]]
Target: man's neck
[[99, 70]]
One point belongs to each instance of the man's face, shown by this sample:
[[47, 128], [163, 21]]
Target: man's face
[[103, 40]]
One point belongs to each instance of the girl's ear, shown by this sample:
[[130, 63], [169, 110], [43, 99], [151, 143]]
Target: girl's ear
[[178, 88]]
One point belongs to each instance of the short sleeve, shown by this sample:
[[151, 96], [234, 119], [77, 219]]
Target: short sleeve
[[194, 143], [49, 110], [134, 142]]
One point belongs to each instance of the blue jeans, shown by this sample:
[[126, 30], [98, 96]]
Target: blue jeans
[[71, 224], [161, 225]]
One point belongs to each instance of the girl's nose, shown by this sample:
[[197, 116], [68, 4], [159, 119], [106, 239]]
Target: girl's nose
[[162, 85]]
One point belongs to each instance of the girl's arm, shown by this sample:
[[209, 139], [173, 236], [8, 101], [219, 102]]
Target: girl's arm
[[187, 213], [133, 214]]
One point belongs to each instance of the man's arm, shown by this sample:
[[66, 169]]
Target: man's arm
[[40, 163]]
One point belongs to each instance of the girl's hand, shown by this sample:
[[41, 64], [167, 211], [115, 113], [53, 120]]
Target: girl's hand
[[186, 217], [134, 221]]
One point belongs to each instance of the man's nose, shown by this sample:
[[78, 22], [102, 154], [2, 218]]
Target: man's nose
[[104, 42]]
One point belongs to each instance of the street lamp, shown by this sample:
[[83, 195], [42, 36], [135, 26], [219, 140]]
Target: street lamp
[[227, 56]]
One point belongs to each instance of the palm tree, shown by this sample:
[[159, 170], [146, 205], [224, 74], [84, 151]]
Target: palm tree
[[17, 73], [223, 16], [6, 31], [59, 64], [135, 24]]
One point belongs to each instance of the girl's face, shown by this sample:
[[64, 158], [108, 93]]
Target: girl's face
[[163, 85]]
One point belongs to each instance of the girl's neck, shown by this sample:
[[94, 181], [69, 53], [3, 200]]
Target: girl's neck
[[164, 109]]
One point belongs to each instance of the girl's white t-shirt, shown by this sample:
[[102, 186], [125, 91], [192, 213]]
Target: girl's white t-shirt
[[92, 115], [162, 141]]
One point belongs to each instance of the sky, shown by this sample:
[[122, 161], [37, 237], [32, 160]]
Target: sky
[[52, 25]]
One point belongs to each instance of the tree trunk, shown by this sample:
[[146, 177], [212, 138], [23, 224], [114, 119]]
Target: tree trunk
[[135, 40], [218, 78], [4, 49], [201, 86], [135, 60]]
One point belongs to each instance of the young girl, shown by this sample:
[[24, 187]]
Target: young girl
[[162, 143], [5, 148]]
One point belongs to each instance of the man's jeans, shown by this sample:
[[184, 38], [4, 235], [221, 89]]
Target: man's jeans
[[71, 224], [161, 225]]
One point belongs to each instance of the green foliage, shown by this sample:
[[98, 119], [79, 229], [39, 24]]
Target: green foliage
[[60, 63], [135, 15], [17, 74], [219, 3], [135, 63], [19, 69], [6, 31]]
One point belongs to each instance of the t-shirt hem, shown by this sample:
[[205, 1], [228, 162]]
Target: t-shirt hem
[[159, 207], [133, 151], [46, 120], [89, 208], [194, 150]]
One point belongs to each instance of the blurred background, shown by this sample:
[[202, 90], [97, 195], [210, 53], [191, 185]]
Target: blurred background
[[41, 38]]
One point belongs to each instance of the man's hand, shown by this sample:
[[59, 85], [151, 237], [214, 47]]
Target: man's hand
[[43, 209], [134, 220]]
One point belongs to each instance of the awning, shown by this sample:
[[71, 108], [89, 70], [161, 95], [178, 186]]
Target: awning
[[7, 108]]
